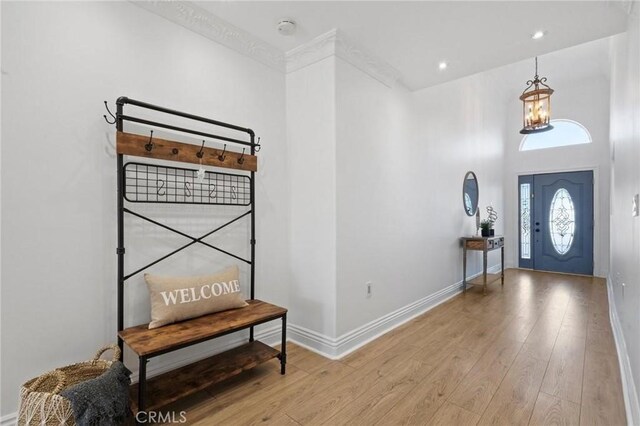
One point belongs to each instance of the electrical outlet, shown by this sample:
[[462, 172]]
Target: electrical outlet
[[636, 206], [369, 285]]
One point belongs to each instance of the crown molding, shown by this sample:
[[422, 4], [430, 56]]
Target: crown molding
[[335, 42], [206, 24], [311, 52], [366, 61], [331, 43]]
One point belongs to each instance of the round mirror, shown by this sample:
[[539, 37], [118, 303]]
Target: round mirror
[[470, 194]]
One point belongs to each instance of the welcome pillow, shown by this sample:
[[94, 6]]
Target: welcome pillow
[[176, 299]]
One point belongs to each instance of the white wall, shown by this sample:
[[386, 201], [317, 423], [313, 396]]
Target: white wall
[[311, 140], [59, 62], [401, 161], [582, 96], [625, 229]]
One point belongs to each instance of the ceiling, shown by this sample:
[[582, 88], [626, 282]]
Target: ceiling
[[415, 36]]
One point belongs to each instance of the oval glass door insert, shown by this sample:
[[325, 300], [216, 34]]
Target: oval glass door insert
[[562, 221]]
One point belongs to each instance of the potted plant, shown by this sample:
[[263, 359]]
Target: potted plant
[[486, 226]]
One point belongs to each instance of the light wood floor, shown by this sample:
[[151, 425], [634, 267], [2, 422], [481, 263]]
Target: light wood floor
[[539, 352]]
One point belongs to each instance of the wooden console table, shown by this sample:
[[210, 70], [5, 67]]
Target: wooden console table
[[485, 245]]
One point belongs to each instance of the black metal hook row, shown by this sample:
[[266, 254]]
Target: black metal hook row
[[110, 113], [222, 156], [149, 147]]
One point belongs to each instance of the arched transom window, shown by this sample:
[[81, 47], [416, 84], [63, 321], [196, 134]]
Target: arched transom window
[[564, 133]]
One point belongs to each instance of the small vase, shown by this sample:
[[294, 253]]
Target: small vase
[[492, 232], [485, 232]]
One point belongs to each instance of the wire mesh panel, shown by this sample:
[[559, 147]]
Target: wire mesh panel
[[149, 183]]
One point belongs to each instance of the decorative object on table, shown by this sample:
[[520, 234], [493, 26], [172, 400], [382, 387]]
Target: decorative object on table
[[492, 217], [485, 226], [470, 193], [477, 221], [41, 399], [536, 105]]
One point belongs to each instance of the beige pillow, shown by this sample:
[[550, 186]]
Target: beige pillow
[[175, 299]]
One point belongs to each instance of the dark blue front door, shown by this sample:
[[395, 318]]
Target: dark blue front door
[[561, 222]]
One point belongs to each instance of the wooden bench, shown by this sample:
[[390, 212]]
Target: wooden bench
[[149, 395]]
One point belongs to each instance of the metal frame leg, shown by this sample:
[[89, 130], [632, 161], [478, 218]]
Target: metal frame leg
[[484, 271], [464, 267], [142, 388], [283, 347], [502, 265], [251, 338]]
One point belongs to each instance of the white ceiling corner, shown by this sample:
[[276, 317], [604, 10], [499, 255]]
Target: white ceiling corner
[[311, 52], [335, 42], [214, 28], [365, 61]]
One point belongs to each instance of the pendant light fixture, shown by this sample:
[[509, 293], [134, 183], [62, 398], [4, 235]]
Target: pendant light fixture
[[536, 105]]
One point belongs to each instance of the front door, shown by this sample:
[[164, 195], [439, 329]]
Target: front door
[[556, 222]]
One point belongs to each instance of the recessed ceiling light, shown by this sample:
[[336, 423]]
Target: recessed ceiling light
[[538, 35], [442, 66]]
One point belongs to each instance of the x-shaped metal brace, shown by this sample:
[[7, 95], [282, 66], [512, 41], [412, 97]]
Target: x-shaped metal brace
[[193, 240]]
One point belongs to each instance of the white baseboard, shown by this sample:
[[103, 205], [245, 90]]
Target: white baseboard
[[631, 404], [336, 348], [9, 419]]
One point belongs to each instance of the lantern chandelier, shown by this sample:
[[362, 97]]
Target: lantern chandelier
[[536, 105]]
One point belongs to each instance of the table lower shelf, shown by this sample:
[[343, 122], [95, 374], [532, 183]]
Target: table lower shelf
[[176, 384], [479, 280]]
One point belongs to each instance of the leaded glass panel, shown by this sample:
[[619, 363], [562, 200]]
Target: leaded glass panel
[[562, 221], [525, 221]]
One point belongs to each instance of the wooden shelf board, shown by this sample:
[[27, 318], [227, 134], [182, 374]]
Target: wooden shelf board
[[176, 384], [145, 342], [163, 149], [478, 280]]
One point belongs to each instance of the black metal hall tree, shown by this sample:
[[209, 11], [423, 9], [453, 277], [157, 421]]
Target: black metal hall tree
[[148, 182]]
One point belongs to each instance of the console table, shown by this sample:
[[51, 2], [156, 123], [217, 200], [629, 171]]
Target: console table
[[485, 245]]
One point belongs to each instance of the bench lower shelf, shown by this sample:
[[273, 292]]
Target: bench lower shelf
[[176, 384]]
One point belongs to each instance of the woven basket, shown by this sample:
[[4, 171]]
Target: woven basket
[[40, 402]]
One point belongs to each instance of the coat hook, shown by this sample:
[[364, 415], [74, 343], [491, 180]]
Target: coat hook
[[200, 154], [241, 159], [105, 116], [258, 145], [221, 157], [149, 145]]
